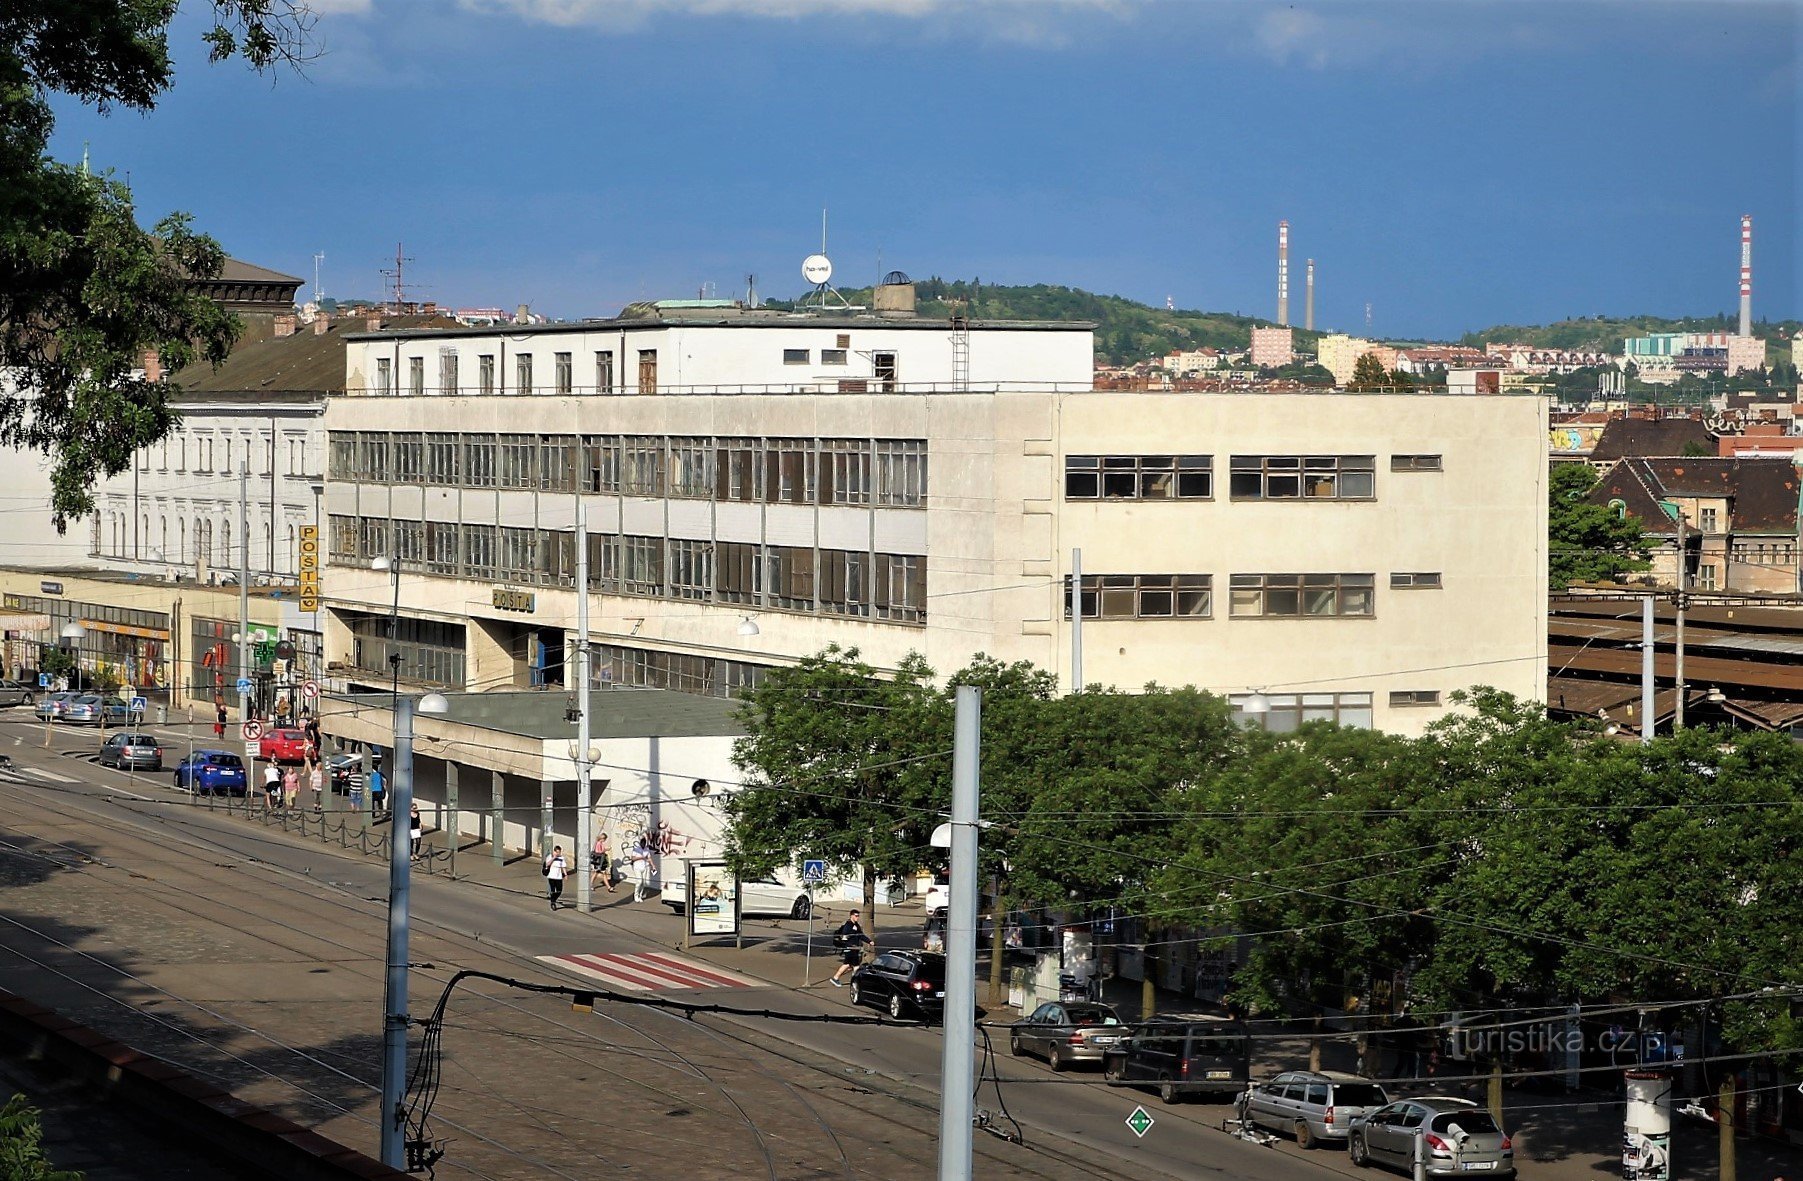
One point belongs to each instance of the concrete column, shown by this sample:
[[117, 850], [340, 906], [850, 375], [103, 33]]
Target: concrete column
[[497, 816], [450, 813], [545, 818]]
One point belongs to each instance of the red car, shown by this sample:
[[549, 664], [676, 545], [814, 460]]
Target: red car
[[283, 746]]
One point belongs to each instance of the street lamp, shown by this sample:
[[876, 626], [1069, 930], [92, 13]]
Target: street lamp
[[393, 566], [73, 630], [1256, 703], [748, 626], [400, 867]]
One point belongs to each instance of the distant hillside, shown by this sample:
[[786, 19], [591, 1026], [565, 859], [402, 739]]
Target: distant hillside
[[1606, 334], [1126, 330]]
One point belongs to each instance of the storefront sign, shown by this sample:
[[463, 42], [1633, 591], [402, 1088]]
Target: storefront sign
[[515, 600], [309, 568]]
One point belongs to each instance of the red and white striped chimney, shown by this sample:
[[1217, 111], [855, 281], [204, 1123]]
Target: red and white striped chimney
[[1283, 273], [1746, 274], [1308, 302]]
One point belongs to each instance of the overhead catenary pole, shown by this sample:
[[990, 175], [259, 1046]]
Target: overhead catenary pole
[[1076, 621], [393, 1113], [1648, 684], [585, 816], [957, 1067], [1681, 600], [244, 598]]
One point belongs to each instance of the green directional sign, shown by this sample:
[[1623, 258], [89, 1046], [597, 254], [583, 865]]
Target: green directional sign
[[1140, 1121]]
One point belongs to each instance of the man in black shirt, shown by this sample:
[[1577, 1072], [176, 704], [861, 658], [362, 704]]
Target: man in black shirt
[[851, 938]]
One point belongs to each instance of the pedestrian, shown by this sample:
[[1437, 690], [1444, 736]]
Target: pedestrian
[[219, 719], [600, 864], [316, 779], [290, 787], [272, 786], [850, 938], [643, 862], [415, 827], [554, 870], [378, 791]]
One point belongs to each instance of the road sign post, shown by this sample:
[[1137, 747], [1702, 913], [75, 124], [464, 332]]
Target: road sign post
[[813, 873]]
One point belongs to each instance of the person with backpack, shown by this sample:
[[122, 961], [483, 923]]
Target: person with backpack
[[600, 864], [850, 938], [554, 869], [378, 788]]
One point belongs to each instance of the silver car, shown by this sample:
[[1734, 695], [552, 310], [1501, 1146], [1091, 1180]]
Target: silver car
[[1314, 1106], [17, 693], [1455, 1137], [1065, 1033]]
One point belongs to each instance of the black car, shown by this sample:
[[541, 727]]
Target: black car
[[1183, 1054], [903, 982]]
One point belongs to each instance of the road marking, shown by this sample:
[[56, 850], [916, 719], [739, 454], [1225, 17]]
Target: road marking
[[649, 972], [42, 773]]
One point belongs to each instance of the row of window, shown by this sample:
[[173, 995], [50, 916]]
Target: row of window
[[490, 377], [111, 536], [430, 651], [1283, 713], [685, 672], [792, 578], [1250, 596], [883, 472], [1250, 477], [198, 451]]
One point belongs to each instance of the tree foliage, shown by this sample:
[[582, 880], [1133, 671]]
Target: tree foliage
[[1588, 542], [1368, 373], [22, 1156], [85, 292]]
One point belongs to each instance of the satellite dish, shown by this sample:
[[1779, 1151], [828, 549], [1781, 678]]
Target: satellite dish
[[816, 269]]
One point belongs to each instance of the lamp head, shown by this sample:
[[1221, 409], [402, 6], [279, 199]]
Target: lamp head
[[381, 562], [748, 626], [1256, 703], [73, 631], [434, 703]]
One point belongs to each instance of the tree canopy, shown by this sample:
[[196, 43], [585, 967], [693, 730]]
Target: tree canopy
[[1368, 373], [85, 291], [1587, 542]]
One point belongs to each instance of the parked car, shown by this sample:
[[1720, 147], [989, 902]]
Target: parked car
[[345, 771], [1457, 1136], [17, 693], [1314, 1106], [283, 746], [938, 897], [767, 897], [131, 752], [903, 983], [1183, 1054], [1067, 1033], [212, 772], [91, 709], [51, 705]]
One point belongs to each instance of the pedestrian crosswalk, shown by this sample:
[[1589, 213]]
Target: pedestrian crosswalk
[[651, 971]]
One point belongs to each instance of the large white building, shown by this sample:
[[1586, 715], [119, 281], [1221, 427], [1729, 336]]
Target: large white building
[[759, 485]]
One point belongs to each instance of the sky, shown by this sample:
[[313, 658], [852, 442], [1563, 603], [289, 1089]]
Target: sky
[[1453, 164]]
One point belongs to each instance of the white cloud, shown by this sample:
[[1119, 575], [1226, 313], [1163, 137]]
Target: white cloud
[[1032, 21], [340, 7]]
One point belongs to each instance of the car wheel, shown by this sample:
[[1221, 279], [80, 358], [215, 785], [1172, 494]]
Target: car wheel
[[802, 908], [1056, 1060], [1167, 1090], [895, 1007], [1014, 1044], [1355, 1148], [1305, 1136], [857, 995]]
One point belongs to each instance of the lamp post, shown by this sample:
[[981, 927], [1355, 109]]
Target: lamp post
[[73, 630], [400, 867], [393, 566]]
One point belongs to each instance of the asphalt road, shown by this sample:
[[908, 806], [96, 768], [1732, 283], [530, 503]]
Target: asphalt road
[[265, 950]]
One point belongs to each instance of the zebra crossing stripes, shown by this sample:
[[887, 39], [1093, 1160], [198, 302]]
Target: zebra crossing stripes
[[651, 971]]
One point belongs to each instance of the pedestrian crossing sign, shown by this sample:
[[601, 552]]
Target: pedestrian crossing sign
[[813, 872]]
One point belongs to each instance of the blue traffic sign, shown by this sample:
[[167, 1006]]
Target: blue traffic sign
[[43, 680], [243, 685], [140, 705], [813, 872]]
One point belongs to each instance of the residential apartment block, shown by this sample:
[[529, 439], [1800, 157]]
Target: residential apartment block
[[760, 485]]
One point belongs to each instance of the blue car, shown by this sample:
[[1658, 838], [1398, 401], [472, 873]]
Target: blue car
[[212, 772]]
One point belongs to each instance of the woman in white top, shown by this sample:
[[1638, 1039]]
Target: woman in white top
[[316, 779], [555, 868]]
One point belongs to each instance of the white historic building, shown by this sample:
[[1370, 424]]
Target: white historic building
[[759, 484]]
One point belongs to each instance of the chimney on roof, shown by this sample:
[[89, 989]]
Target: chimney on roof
[[523, 314], [152, 364], [284, 324], [1746, 274], [320, 323], [1308, 306]]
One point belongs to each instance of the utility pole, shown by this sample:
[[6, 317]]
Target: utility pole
[[1648, 684], [1076, 621], [393, 1112], [1681, 600], [244, 601], [957, 1068], [585, 816]]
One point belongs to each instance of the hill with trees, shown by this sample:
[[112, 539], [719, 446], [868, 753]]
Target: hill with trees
[[1126, 330], [1605, 333]]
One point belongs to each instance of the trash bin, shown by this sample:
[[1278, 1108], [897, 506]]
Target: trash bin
[[162, 715]]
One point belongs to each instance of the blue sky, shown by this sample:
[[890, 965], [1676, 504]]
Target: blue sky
[[1455, 164]]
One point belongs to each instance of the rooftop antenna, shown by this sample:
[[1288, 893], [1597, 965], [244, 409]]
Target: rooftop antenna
[[318, 257], [751, 291], [400, 288], [1170, 303], [817, 269], [1367, 315]]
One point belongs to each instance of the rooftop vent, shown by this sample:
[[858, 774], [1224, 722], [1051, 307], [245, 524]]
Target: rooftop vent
[[896, 279], [894, 296]]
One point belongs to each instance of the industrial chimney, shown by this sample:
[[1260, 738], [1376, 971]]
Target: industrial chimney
[[1308, 303], [1746, 274], [1283, 273]]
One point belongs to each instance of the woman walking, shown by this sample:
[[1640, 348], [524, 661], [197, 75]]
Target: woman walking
[[316, 779], [415, 829], [555, 869], [600, 864], [291, 788]]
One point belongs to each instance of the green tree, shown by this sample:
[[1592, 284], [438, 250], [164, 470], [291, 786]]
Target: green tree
[[85, 292], [22, 1156], [1368, 374], [840, 764], [1588, 542]]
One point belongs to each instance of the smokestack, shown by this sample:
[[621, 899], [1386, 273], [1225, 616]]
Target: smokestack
[[1308, 304], [1283, 272], [1746, 274]]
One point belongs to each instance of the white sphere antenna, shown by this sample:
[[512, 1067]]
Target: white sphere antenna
[[817, 269]]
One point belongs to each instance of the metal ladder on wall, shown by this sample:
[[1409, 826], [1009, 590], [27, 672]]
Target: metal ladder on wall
[[960, 351]]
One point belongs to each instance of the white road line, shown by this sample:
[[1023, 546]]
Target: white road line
[[51, 775], [647, 973]]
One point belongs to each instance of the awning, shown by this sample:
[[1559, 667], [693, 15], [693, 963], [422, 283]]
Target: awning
[[24, 623]]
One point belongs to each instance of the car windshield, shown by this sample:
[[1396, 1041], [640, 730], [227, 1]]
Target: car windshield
[[1091, 1016], [1358, 1095], [1474, 1123], [225, 760]]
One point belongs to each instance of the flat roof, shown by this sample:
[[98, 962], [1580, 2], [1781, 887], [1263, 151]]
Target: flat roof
[[613, 713], [663, 318]]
